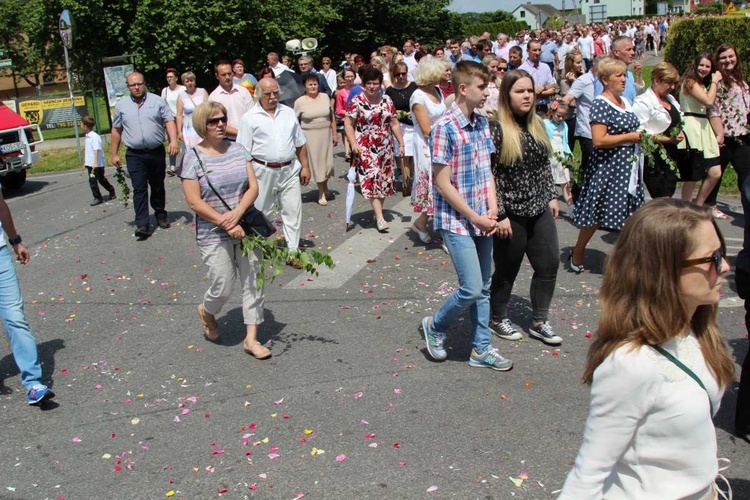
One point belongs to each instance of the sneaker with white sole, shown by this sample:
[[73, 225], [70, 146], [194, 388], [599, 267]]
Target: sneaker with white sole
[[39, 393], [433, 340], [545, 333], [490, 358], [505, 330]]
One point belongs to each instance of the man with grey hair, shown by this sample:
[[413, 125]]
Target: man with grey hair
[[273, 136], [273, 62], [502, 47], [305, 64], [139, 122], [624, 50]]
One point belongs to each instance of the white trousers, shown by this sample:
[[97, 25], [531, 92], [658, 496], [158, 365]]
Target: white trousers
[[281, 185], [225, 264]]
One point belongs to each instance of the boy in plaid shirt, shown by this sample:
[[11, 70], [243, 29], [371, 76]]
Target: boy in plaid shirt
[[466, 215]]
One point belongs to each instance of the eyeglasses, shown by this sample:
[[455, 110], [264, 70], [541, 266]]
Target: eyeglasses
[[717, 258], [400, 74], [215, 121], [502, 68]]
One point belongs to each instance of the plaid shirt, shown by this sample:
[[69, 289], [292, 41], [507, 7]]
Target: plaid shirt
[[465, 146]]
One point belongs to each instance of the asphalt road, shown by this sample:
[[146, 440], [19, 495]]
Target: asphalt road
[[348, 407]]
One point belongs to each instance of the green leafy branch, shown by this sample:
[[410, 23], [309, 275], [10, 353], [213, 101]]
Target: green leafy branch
[[650, 148], [120, 175], [574, 166], [276, 257]]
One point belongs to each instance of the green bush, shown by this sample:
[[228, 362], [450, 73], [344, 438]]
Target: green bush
[[510, 28], [689, 37]]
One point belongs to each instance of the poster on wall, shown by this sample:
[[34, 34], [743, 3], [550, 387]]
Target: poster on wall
[[53, 113], [115, 78]]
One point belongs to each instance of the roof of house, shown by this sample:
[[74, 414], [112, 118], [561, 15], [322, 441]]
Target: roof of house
[[545, 8]]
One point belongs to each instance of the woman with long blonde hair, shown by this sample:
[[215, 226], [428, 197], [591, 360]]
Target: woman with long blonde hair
[[527, 207], [657, 366]]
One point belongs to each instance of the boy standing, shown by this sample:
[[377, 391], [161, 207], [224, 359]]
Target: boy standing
[[94, 162], [22, 341], [466, 214]]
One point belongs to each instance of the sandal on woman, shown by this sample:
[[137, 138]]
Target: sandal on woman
[[576, 268], [257, 350], [382, 226], [210, 327], [424, 236], [718, 214]]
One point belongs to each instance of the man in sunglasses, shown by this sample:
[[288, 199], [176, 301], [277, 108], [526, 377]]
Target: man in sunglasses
[[271, 133], [139, 122]]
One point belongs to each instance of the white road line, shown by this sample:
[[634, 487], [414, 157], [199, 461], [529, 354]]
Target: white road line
[[727, 238], [352, 255]]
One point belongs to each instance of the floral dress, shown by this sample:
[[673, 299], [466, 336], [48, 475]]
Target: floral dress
[[372, 131], [421, 195]]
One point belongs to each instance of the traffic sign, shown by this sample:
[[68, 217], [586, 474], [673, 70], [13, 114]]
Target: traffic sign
[[5, 63]]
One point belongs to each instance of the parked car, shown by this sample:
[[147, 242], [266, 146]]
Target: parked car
[[17, 147]]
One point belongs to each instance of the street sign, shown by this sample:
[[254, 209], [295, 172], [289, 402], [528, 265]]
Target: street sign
[[5, 63]]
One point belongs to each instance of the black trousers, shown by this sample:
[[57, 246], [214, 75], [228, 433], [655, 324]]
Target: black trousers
[[96, 177], [147, 169], [742, 413], [535, 237], [737, 153]]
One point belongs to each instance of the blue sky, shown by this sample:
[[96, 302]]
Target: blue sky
[[493, 5]]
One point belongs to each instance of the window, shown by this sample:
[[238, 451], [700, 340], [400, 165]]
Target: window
[[523, 14]]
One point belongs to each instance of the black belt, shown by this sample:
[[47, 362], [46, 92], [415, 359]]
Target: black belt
[[697, 115], [143, 151], [272, 164]]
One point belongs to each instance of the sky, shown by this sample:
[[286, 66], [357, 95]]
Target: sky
[[507, 5]]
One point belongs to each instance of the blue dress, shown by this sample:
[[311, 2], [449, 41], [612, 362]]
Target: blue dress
[[604, 197]]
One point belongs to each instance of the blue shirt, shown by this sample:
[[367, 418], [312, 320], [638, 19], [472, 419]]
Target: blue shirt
[[142, 124], [629, 93], [549, 50]]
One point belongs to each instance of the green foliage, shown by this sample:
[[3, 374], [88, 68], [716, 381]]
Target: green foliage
[[487, 17], [120, 175], [276, 257], [689, 37], [712, 8], [510, 28]]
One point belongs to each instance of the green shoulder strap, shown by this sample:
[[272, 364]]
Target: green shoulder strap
[[687, 370]]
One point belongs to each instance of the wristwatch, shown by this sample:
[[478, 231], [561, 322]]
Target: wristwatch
[[15, 241]]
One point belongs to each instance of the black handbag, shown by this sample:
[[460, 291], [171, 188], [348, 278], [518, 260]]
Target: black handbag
[[253, 221]]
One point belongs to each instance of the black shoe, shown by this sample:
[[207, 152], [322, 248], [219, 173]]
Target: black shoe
[[163, 222], [96, 201], [171, 172], [142, 232], [112, 194]]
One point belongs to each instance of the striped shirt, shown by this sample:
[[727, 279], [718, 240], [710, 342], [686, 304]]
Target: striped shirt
[[464, 146], [228, 174]]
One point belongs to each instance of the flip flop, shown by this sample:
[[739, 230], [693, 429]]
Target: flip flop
[[718, 214]]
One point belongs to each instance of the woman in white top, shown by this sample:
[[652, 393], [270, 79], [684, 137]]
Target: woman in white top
[[170, 94], [649, 433], [189, 99], [427, 106]]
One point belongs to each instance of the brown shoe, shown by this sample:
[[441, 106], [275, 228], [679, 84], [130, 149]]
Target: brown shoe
[[258, 350], [294, 263], [210, 328]]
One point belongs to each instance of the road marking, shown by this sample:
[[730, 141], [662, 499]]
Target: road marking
[[352, 255]]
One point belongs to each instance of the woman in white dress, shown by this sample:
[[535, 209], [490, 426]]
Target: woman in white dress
[[188, 100], [171, 93], [657, 366], [427, 106]]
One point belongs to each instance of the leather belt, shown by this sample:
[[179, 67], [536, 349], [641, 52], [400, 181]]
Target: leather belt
[[273, 165], [144, 151], [697, 115]]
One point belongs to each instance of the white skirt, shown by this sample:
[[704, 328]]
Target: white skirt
[[407, 131]]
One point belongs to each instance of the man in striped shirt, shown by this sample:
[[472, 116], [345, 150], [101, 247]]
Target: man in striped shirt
[[466, 215]]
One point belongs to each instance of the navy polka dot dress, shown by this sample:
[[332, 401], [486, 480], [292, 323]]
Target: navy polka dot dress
[[604, 197]]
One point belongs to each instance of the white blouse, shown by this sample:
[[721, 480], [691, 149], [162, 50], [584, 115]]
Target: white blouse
[[649, 433]]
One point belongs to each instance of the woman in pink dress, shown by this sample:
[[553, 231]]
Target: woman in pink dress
[[370, 120]]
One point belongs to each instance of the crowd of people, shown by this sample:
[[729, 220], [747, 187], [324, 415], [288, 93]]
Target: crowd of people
[[482, 132]]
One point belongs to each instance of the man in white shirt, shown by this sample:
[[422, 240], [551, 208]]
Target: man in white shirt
[[586, 46], [271, 133], [235, 98], [273, 62], [411, 62], [502, 46], [544, 82]]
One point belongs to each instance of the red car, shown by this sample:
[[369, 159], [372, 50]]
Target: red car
[[17, 152]]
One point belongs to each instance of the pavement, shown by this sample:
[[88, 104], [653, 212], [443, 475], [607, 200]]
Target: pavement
[[350, 405]]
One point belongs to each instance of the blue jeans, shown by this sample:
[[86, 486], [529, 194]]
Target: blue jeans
[[472, 259], [22, 341], [147, 168]]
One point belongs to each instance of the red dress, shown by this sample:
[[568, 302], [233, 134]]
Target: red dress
[[372, 130]]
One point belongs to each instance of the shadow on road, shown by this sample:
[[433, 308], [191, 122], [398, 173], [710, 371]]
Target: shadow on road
[[47, 351], [31, 186]]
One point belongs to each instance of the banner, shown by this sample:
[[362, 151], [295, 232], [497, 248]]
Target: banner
[[116, 80], [53, 113]]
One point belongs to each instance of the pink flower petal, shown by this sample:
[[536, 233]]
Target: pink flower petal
[[340, 458]]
